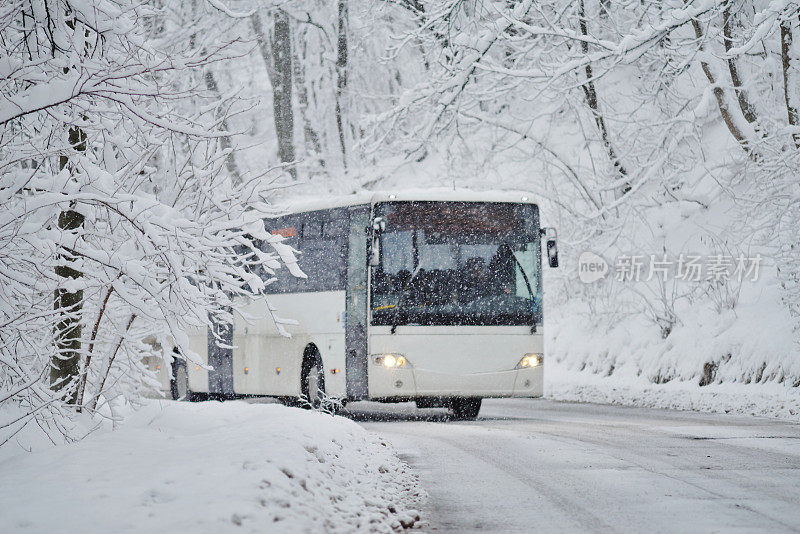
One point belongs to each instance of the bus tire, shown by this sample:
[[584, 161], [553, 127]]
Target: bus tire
[[312, 380], [466, 408], [179, 385]]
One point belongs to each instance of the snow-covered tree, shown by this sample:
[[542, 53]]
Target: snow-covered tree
[[121, 219]]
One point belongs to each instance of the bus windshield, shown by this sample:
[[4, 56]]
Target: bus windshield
[[457, 263]]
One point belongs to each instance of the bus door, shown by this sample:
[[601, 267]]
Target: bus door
[[355, 337], [220, 358]]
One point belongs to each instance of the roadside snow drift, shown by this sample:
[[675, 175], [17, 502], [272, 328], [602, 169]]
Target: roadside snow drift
[[775, 400], [212, 467]]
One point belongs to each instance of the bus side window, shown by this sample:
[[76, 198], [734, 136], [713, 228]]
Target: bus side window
[[323, 257], [336, 225], [288, 227], [312, 227], [321, 237]]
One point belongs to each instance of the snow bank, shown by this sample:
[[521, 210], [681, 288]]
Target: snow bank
[[768, 399], [741, 361], [606, 330], [213, 467]]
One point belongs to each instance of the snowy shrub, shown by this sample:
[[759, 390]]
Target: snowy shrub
[[121, 216]]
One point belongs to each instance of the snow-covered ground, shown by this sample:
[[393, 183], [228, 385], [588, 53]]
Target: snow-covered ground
[[770, 399], [212, 467], [247, 467], [535, 465]]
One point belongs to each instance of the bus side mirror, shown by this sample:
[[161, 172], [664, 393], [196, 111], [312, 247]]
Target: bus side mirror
[[375, 251], [552, 253], [552, 246], [378, 226]]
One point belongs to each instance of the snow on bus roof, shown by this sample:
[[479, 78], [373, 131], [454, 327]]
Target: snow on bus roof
[[431, 194]]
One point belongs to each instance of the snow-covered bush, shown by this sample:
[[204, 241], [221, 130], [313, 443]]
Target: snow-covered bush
[[120, 218]]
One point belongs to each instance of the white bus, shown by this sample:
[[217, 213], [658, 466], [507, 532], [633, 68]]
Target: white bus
[[433, 297]]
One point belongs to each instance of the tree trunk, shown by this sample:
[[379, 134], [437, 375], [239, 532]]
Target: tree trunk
[[728, 21], [282, 88], [590, 92], [790, 79], [341, 75], [211, 84], [310, 135], [721, 97], [65, 365]]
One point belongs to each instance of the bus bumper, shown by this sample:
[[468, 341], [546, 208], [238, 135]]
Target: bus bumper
[[412, 383]]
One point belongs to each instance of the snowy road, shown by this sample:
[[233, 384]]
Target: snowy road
[[540, 465]]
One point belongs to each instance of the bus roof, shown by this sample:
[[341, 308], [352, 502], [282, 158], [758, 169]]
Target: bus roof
[[432, 194]]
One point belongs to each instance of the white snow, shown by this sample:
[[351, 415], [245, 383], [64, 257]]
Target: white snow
[[212, 467], [769, 400], [541, 466]]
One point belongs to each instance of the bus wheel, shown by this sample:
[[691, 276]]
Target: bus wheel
[[312, 383], [466, 408]]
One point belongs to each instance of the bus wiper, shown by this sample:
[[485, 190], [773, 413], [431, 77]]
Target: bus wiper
[[401, 299], [530, 292]]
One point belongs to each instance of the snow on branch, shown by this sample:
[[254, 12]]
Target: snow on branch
[[117, 200]]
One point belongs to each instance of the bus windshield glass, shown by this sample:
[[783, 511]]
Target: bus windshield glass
[[457, 263]]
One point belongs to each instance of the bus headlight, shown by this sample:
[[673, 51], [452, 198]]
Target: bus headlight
[[531, 359], [392, 361]]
